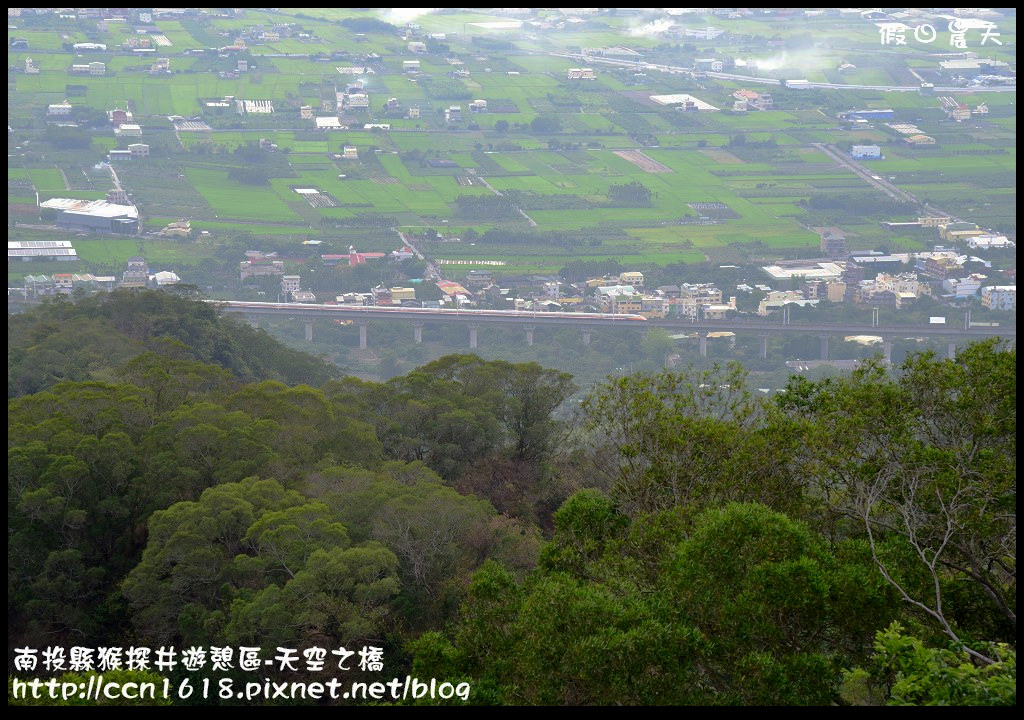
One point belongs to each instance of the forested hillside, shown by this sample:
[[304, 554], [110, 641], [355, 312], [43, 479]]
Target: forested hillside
[[179, 478], [95, 336]]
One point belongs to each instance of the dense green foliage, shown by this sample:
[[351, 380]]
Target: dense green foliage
[[632, 194], [481, 207], [668, 591], [178, 478], [747, 607], [88, 339], [904, 671]]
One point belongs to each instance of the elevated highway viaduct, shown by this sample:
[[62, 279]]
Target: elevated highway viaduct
[[587, 322]]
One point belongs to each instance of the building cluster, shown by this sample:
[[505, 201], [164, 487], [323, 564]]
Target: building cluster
[[260, 264], [880, 280], [972, 70], [136, 274], [622, 294], [749, 99], [901, 280], [259, 34]]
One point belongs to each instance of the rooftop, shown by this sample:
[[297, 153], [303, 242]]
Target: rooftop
[[96, 208]]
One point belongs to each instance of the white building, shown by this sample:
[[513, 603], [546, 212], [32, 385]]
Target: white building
[[999, 297], [963, 287], [809, 271], [165, 277], [987, 242], [356, 100], [684, 101], [960, 113], [866, 151], [128, 130], [708, 64], [609, 295], [290, 283], [718, 311], [63, 108], [780, 298], [581, 74], [633, 277], [47, 250], [254, 107], [705, 33], [899, 284]]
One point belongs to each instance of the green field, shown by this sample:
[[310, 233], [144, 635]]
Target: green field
[[760, 165], [235, 200]]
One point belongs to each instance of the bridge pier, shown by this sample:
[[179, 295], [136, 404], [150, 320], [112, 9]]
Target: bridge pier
[[887, 349], [764, 345], [472, 336], [529, 335], [309, 331], [951, 350], [362, 334], [586, 337], [824, 347], [417, 329], [703, 344]]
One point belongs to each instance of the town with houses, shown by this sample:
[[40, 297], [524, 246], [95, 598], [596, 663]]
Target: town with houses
[[951, 273]]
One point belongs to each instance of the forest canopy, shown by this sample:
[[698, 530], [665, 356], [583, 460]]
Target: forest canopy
[[176, 477]]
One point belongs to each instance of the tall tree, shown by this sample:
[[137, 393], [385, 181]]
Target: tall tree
[[927, 459]]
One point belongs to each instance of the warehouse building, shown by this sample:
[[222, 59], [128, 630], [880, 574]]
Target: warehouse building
[[94, 215], [866, 152], [44, 250], [876, 114]]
